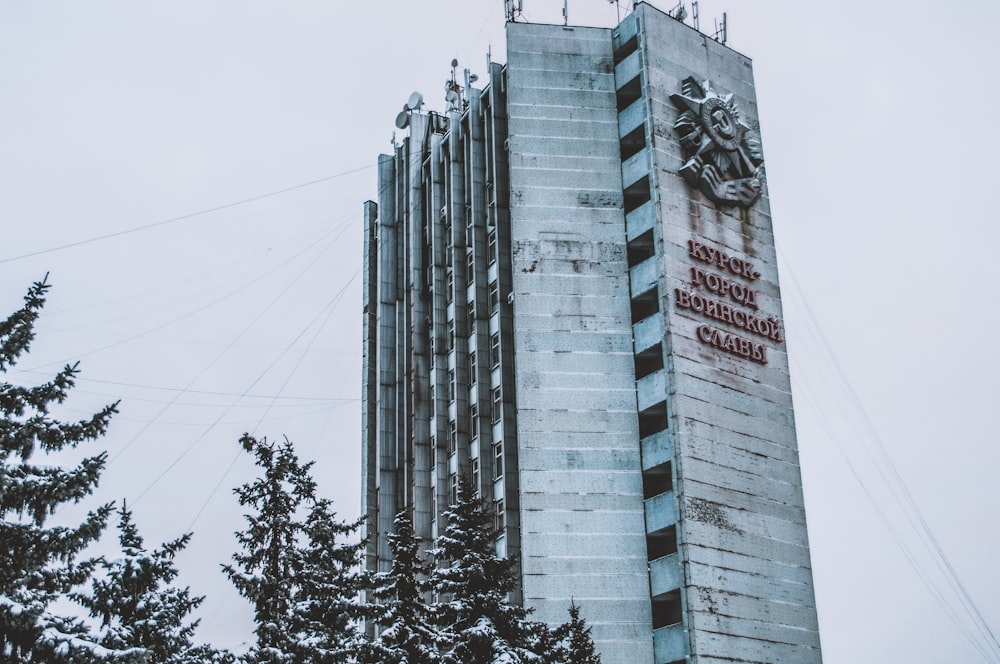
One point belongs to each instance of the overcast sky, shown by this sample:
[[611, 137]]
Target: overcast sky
[[879, 128]]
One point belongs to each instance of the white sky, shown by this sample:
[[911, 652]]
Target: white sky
[[878, 127]]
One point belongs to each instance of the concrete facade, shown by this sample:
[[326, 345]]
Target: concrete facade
[[552, 310]]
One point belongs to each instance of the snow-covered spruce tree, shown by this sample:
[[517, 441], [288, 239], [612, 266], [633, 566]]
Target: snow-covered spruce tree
[[329, 585], [42, 563], [405, 629], [473, 583], [137, 606], [574, 644], [301, 581]]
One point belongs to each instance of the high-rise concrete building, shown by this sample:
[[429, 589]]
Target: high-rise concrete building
[[572, 299]]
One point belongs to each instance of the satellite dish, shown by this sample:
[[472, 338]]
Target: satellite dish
[[403, 119], [454, 63], [415, 102]]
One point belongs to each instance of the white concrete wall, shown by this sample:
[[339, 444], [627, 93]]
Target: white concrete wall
[[581, 491], [748, 581]]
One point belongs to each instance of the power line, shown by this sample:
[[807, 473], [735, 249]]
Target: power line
[[168, 323], [883, 465], [183, 217], [245, 329], [333, 302]]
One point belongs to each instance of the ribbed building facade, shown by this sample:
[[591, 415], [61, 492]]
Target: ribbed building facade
[[571, 298]]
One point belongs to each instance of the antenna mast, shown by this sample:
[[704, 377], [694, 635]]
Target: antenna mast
[[513, 9], [720, 30]]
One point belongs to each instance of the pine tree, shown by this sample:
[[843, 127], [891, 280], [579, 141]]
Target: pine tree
[[474, 583], [42, 563], [406, 632], [575, 646], [137, 606], [329, 585], [301, 581]]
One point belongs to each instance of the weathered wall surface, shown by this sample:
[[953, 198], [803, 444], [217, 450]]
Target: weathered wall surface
[[581, 490], [742, 532]]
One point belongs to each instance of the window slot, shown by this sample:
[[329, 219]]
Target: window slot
[[628, 93], [667, 609], [661, 543], [648, 361], [633, 141], [656, 481], [653, 419], [641, 248], [626, 49], [645, 305], [636, 194]]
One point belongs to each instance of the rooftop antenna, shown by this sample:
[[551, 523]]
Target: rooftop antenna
[[618, 9], [513, 9], [694, 15], [679, 12], [470, 78], [414, 103], [720, 30], [565, 12], [453, 90]]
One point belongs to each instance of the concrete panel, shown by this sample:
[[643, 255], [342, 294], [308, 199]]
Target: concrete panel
[[651, 390], [665, 574], [647, 333], [657, 449], [670, 643], [715, 601], [661, 511], [549, 458]]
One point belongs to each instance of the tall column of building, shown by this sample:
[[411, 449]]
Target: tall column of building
[[580, 483], [705, 242]]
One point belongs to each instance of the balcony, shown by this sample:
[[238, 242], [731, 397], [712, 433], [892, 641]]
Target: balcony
[[669, 644]]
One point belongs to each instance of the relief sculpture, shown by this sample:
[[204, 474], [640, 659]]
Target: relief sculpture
[[724, 158]]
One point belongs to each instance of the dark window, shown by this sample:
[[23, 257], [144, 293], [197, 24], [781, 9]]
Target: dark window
[[474, 421], [628, 93], [494, 350], [645, 305], [648, 361], [491, 247], [633, 141], [636, 193], [653, 419], [497, 405], [453, 438], [626, 49], [494, 297], [500, 514], [657, 480], [640, 248], [667, 609], [661, 543], [473, 369], [498, 461]]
